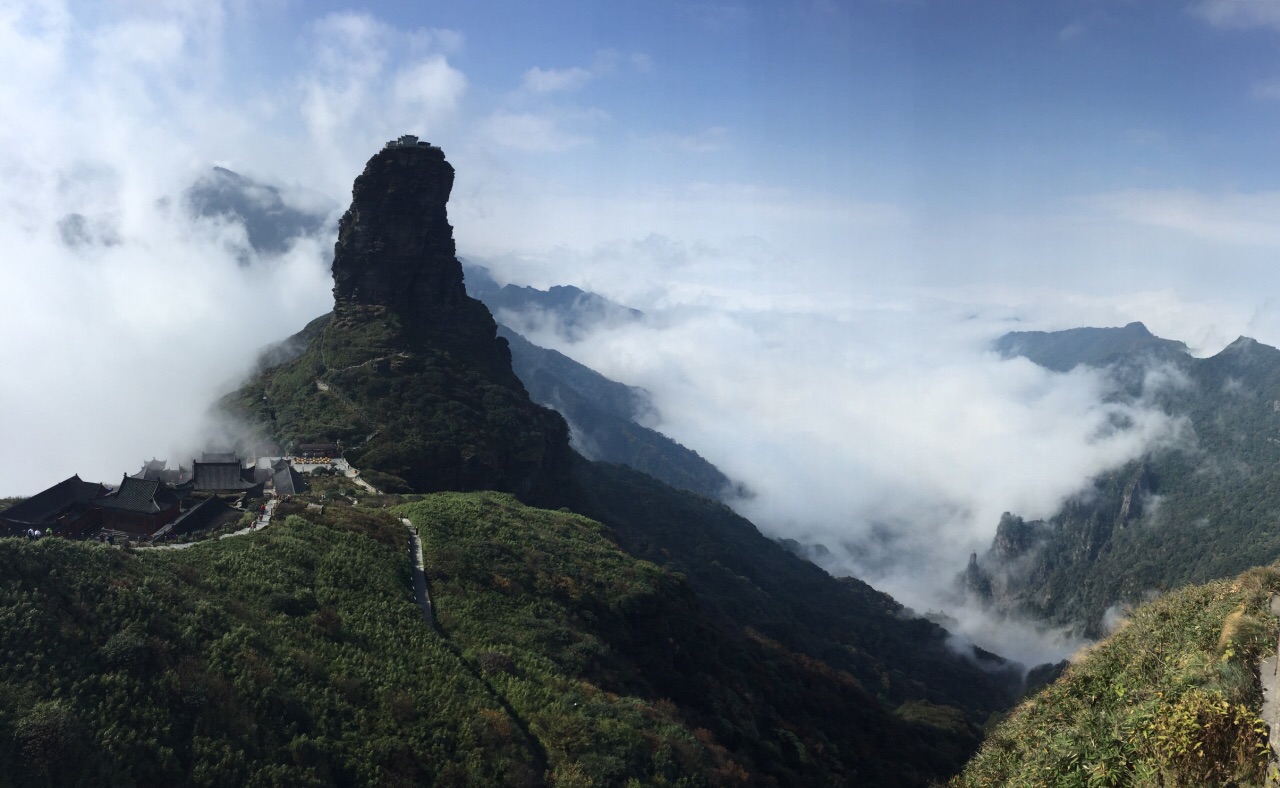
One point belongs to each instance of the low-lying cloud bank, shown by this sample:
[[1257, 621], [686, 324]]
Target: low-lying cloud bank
[[886, 431], [830, 351]]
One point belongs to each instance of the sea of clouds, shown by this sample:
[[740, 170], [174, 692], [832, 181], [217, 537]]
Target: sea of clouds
[[831, 353]]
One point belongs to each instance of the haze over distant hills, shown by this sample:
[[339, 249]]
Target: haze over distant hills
[[1198, 508], [270, 223]]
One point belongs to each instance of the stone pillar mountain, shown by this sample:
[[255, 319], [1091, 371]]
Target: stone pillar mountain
[[395, 250], [408, 371]]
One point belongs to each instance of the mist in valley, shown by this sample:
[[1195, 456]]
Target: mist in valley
[[827, 346]]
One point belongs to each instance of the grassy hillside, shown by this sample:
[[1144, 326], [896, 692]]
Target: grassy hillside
[[1171, 699], [743, 577], [422, 418], [621, 674], [297, 656]]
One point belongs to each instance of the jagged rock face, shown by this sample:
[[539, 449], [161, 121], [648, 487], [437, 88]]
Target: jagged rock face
[[409, 371], [395, 250], [395, 246]]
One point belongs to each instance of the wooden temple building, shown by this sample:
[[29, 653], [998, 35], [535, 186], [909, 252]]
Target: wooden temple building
[[222, 474], [153, 502], [65, 509], [141, 507]]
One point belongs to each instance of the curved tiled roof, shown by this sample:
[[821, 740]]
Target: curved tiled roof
[[49, 504], [147, 496]]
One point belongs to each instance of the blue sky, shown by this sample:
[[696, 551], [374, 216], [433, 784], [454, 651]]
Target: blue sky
[[1135, 131], [1084, 145], [908, 99]]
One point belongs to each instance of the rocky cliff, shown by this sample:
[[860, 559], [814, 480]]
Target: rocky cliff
[[408, 371], [1195, 508], [395, 251]]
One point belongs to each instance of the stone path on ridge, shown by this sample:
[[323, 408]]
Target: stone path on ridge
[[420, 593], [1269, 674]]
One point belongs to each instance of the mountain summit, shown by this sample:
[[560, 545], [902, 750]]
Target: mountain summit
[[395, 251], [408, 371]]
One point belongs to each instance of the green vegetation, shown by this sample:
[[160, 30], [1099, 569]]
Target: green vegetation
[[620, 675], [295, 656], [419, 417], [1061, 351], [527, 594], [747, 580], [1203, 508], [1170, 699]]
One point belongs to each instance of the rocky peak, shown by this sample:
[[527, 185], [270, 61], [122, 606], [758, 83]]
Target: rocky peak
[[395, 245], [395, 256]]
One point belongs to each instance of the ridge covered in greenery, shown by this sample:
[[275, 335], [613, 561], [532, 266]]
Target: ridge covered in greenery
[[298, 656], [416, 417], [1197, 508], [1172, 698], [294, 656]]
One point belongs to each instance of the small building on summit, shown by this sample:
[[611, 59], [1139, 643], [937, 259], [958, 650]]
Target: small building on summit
[[409, 141], [140, 507], [65, 509]]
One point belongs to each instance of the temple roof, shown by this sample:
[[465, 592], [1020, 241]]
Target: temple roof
[[219, 476], [204, 514], [287, 481], [49, 504], [147, 496]]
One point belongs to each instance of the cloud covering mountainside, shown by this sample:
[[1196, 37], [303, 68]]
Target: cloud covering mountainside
[[819, 296]]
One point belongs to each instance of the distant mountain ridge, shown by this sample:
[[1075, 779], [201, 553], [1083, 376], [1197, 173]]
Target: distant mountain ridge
[[574, 310], [270, 223], [1062, 351], [1201, 509], [604, 417]]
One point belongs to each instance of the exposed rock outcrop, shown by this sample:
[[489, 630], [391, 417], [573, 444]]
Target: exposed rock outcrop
[[395, 249], [409, 371]]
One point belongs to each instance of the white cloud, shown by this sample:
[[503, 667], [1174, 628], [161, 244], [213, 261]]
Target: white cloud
[[708, 140], [1072, 30], [1230, 218], [719, 17], [1266, 89], [541, 132], [127, 336], [551, 80], [1239, 13], [433, 85], [437, 39], [541, 81], [879, 426]]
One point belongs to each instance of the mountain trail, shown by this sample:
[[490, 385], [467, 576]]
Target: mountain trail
[[1269, 674], [420, 592]]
